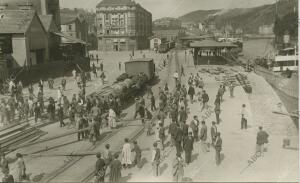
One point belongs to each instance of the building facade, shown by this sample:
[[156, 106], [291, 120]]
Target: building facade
[[169, 35], [122, 25], [156, 41]]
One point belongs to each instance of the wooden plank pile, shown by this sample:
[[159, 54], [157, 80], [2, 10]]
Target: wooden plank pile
[[18, 134], [245, 83]]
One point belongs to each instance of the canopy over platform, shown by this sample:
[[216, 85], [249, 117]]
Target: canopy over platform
[[195, 38], [210, 51], [211, 44], [66, 39]]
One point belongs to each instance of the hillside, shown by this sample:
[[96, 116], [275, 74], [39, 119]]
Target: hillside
[[197, 16], [249, 19]]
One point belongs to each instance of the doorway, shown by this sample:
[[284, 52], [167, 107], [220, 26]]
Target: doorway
[[116, 47]]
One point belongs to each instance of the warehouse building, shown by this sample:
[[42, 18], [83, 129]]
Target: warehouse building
[[25, 38]]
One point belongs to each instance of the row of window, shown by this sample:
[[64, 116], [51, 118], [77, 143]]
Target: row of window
[[286, 63]]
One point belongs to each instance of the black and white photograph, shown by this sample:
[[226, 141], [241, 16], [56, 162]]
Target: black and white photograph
[[149, 91]]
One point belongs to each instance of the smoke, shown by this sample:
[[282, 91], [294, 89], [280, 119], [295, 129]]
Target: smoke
[[220, 12]]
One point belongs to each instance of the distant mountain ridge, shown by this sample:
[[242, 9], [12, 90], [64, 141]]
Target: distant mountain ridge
[[249, 19]]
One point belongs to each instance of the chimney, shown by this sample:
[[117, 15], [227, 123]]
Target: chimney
[[44, 7], [27, 6], [3, 6]]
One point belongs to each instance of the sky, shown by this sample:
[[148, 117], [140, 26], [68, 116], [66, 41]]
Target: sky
[[173, 8]]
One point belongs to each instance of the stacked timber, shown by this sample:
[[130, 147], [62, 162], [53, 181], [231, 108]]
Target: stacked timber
[[18, 134], [245, 83]]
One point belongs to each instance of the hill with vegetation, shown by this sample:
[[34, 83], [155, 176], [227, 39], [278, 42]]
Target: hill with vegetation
[[249, 19]]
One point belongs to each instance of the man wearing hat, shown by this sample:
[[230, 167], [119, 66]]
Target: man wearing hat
[[155, 159], [60, 114], [195, 127], [203, 137], [188, 147], [213, 133], [218, 148], [178, 171]]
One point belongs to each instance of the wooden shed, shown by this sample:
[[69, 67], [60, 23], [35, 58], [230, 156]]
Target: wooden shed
[[142, 65]]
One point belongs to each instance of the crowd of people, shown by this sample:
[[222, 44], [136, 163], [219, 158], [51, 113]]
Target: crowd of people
[[182, 136], [90, 113]]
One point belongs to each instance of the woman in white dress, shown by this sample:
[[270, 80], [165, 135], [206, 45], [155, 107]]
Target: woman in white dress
[[112, 118], [126, 154]]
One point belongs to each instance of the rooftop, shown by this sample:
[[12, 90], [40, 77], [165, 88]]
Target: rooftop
[[211, 44], [15, 21], [67, 18], [116, 2], [196, 37], [141, 60], [46, 21]]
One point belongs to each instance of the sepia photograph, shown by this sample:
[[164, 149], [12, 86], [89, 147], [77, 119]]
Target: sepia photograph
[[149, 91]]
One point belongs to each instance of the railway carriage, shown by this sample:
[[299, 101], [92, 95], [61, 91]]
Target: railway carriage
[[142, 65]]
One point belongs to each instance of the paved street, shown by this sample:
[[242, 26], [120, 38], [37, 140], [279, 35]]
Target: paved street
[[238, 145]]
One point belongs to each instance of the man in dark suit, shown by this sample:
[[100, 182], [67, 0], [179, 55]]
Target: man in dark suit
[[100, 169], [185, 130], [174, 113], [205, 99], [188, 148], [173, 132], [191, 93], [195, 127], [178, 139], [213, 133], [218, 148], [261, 139], [203, 137], [182, 114]]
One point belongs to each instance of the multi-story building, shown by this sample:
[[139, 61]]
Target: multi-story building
[[74, 26], [170, 35], [122, 25]]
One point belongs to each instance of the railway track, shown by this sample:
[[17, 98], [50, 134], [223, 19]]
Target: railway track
[[81, 169], [171, 67]]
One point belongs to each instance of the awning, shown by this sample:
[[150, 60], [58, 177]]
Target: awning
[[69, 39], [122, 40], [115, 40], [209, 44]]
